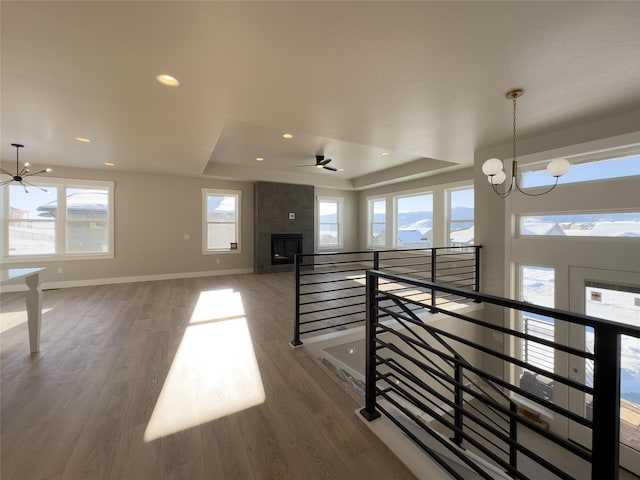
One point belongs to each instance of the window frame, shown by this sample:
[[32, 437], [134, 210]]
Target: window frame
[[60, 221], [413, 193], [370, 221], [539, 165], [448, 220], [206, 192], [339, 201], [519, 219]]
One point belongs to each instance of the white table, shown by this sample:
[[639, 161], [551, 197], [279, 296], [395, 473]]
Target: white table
[[34, 299]]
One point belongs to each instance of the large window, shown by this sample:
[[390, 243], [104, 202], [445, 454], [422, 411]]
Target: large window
[[602, 224], [329, 222], [586, 169], [414, 221], [71, 219], [377, 226], [221, 220], [442, 216], [460, 215]]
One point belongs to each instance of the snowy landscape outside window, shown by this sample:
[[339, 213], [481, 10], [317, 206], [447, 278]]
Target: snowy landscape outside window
[[414, 221], [460, 216]]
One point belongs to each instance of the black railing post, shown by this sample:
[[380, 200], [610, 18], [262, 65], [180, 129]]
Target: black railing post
[[477, 262], [606, 404], [296, 323], [376, 261], [458, 399], [369, 411], [433, 275], [476, 287], [513, 434]]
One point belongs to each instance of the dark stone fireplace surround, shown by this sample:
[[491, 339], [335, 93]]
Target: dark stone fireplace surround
[[273, 204]]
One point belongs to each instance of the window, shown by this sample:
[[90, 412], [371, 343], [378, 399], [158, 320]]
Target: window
[[538, 288], [586, 169], [414, 221], [377, 231], [329, 222], [71, 219], [582, 225], [460, 215], [221, 220]]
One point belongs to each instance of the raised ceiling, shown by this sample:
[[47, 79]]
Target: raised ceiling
[[423, 81]]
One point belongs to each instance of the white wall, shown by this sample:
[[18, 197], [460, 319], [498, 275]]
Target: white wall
[[503, 252], [152, 215], [350, 217]]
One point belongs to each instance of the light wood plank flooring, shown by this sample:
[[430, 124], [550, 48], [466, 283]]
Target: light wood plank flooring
[[80, 408]]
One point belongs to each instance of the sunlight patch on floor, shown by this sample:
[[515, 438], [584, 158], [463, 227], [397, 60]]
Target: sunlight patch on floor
[[9, 320], [214, 373]]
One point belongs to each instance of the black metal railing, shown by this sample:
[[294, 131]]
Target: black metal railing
[[428, 379], [330, 287]]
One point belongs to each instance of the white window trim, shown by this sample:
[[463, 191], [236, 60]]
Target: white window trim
[[603, 149], [217, 191], [60, 221], [340, 222], [447, 209], [370, 213], [409, 193]]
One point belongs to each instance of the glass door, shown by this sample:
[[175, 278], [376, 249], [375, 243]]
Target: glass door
[[537, 286], [615, 296]]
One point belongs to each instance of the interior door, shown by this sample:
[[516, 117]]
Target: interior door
[[612, 295]]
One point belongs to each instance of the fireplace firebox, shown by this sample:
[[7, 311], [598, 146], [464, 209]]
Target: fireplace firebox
[[284, 246]]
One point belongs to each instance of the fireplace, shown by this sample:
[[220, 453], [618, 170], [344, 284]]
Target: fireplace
[[284, 247]]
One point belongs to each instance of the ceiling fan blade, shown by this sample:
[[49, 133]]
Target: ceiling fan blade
[[320, 160], [326, 167]]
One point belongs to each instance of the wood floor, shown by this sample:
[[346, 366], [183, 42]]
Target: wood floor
[[80, 409]]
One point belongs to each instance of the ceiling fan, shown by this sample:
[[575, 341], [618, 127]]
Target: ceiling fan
[[321, 162]]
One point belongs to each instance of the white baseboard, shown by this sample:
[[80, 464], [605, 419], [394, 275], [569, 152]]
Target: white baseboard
[[19, 287]]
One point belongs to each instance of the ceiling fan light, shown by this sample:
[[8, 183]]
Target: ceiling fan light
[[492, 167], [498, 178], [558, 167], [167, 80]]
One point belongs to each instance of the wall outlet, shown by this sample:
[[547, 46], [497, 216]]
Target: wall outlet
[[187, 236], [292, 216], [60, 270]]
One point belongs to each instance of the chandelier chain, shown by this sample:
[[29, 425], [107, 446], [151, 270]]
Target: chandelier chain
[[514, 128]]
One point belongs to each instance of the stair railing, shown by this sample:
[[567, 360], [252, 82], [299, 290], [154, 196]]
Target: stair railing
[[415, 370]]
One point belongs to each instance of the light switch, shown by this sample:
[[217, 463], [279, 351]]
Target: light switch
[[292, 216]]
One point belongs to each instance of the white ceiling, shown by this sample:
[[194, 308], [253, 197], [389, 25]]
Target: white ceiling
[[424, 81]]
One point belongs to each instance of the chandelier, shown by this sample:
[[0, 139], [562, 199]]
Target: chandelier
[[494, 169], [20, 175]]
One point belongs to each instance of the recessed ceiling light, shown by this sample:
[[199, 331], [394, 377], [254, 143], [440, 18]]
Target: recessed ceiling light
[[341, 169], [109, 164], [384, 154], [167, 80], [83, 139], [287, 136], [259, 159]]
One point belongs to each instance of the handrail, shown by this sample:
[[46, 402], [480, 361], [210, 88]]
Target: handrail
[[424, 370], [323, 286]]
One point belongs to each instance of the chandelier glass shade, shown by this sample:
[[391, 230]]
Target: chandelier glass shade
[[22, 173], [495, 171]]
